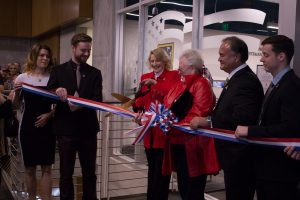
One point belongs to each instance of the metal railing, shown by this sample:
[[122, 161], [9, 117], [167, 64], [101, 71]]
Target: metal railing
[[121, 167]]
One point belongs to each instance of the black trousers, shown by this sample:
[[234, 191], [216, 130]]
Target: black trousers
[[86, 147], [274, 190], [158, 185], [240, 183], [190, 188]]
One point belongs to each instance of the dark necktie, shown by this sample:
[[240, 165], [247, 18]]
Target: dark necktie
[[267, 94], [78, 76], [269, 90]]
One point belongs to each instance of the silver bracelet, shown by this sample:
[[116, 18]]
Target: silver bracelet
[[209, 122]]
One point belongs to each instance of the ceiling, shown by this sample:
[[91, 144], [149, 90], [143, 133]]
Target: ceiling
[[270, 7]]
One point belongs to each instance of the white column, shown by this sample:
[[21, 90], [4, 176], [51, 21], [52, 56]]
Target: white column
[[198, 16], [289, 18], [103, 43]]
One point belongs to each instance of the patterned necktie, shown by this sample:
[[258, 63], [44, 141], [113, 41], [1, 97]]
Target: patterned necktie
[[226, 82]]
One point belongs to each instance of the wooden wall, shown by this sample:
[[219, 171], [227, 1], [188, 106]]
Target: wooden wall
[[52, 39], [41, 20], [33, 18], [53, 14], [15, 18]]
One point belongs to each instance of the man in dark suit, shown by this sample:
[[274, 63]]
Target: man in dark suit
[[239, 103], [277, 174], [76, 127]]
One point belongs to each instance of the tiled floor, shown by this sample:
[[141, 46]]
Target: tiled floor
[[214, 191]]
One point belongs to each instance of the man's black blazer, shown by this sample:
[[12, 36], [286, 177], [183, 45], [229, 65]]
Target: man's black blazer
[[82, 121], [280, 118], [239, 104]]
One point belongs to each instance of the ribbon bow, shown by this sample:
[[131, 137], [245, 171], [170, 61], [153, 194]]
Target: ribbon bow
[[164, 119]]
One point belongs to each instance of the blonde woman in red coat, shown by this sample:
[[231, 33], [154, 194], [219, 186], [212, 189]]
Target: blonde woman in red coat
[[153, 87], [194, 157]]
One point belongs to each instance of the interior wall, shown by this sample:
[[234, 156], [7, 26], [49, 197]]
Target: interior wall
[[210, 55], [103, 44], [52, 40], [14, 50], [15, 18], [65, 46], [209, 52], [58, 13]]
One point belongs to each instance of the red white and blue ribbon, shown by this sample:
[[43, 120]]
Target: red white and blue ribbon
[[159, 116], [164, 119], [229, 136], [81, 101], [152, 119]]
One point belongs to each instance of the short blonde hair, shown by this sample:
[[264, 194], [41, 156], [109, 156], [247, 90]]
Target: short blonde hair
[[162, 56]]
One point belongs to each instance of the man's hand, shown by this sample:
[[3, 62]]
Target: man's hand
[[241, 131], [42, 119], [197, 122], [292, 153], [62, 93], [73, 107]]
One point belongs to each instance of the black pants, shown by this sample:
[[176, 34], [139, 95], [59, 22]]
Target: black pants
[[240, 183], [86, 147], [158, 185], [274, 190], [190, 188]]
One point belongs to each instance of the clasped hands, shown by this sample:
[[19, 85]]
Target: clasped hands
[[148, 81]]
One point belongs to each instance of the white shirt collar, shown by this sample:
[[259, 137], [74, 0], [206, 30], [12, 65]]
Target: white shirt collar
[[156, 75], [236, 70]]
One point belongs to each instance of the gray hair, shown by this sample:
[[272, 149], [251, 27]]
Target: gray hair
[[193, 58]]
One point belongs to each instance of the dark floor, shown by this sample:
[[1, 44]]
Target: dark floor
[[4, 192]]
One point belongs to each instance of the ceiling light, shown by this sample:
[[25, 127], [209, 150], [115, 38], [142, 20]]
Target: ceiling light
[[272, 25], [154, 10], [259, 30], [132, 14], [177, 4]]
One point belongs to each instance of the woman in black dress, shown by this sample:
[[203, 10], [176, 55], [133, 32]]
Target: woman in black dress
[[35, 134]]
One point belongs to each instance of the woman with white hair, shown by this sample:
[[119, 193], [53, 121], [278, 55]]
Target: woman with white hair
[[193, 156]]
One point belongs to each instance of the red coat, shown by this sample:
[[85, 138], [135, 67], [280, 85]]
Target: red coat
[[155, 138], [200, 150]]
